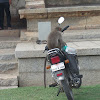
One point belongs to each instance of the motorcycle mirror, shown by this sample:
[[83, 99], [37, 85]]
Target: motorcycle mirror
[[60, 20]]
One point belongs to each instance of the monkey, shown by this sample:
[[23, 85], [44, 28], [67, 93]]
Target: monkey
[[55, 39]]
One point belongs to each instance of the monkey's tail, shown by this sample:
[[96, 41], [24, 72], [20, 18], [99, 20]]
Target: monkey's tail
[[45, 72]]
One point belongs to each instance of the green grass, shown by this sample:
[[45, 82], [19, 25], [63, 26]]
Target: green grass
[[40, 93]]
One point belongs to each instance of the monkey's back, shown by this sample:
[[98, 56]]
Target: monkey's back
[[54, 40]]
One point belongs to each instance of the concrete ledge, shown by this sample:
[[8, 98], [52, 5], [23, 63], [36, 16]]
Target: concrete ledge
[[75, 11], [31, 61], [33, 13], [77, 17], [29, 50]]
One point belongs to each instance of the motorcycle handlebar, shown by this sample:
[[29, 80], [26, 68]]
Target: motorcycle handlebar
[[65, 28]]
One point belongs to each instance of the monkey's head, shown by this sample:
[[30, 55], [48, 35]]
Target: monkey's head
[[58, 28]]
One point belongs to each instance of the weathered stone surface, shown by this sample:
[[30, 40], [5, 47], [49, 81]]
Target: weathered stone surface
[[89, 63], [33, 13], [24, 50], [7, 87], [62, 11], [7, 54], [90, 77], [35, 4], [8, 80], [34, 79], [29, 36], [8, 44], [33, 65], [32, 74], [31, 61], [68, 36], [55, 3], [29, 50], [78, 17], [73, 22], [73, 11], [10, 33], [8, 65], [93, 21]]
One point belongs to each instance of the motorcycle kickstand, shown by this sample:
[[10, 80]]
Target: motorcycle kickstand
[[59, 91]]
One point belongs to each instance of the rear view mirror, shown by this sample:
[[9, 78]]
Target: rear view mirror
[[60, 20]]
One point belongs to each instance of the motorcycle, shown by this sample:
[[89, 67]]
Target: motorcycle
[[60, 63]]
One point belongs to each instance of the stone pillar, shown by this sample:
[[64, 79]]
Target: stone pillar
[[32, 4], [31, 64]]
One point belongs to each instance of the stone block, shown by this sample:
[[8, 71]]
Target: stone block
[[35, 4], [8, 87], [28, 36], [90, 73], [33, 65], [7, 54], [10, 33], [89, 63], [33, 13], [6, 66], [26, 50], [34, 79], [8, 80], [93, 22], [90, 77], [8, 44], [73, 22], [31, 61]]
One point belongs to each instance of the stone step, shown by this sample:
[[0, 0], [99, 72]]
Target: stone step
[[6, 66], [28, 36], [7, 54], [35, 4], [8, 80], [79, 40], [8, 42], [10, 33], [69, 35], [90, 34], [7, 87]]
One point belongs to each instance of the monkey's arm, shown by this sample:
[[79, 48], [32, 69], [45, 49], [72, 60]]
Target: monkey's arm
[[61, 42]]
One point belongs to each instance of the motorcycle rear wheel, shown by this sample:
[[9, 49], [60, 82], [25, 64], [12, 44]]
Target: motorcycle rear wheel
[[67, 89]]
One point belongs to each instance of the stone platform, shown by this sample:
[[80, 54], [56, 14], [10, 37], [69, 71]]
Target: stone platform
[[78, 17], [31, 62]]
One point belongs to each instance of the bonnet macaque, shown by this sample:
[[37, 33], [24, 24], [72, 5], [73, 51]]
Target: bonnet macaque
[[55, 39]]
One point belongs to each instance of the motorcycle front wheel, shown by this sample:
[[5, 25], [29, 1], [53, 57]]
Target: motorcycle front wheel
[[67, 89]]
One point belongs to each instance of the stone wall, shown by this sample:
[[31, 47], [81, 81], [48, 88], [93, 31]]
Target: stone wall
[[55, 3], [16, 5], [31, 63]]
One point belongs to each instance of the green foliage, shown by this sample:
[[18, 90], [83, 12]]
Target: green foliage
[[40, 93]]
